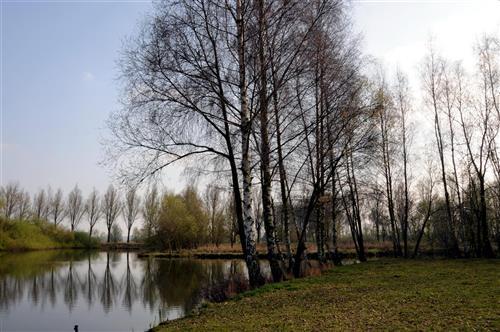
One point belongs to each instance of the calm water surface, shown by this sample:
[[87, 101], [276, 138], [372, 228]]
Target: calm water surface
[[55, 290]]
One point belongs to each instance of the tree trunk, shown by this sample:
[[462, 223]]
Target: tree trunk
[[335, 251], [358, 230], [250, 252], [301, 245], [486, 249], [388, 183], [422, 230], [285, 206], [452, 244], [267, 214], [407, 201], [320, 234], [90, 234], [455, 173]]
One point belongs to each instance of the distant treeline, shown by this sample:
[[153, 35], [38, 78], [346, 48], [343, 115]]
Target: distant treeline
[[52, 207], [170, 221]]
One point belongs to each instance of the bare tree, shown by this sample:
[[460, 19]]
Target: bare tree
[[93, 210], [403, 104], [24, 205], [352, 206], [326, 104], [75, 207], [479, 128], [10, 199], [489, 71], [489, 60], [488, 52], [57, 210], [186, 89], [265, 146], [452, 99], [432, 75], [387, 123], [111, 207], [425, 207], [131, 209], [151, 210], [248, 229], [212, 202], [40, 205], [376, 213], [218, 218]]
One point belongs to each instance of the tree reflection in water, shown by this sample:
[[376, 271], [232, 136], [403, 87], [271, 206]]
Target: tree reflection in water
[[108, 288], [90, 283], [154, 289], [71, 286]]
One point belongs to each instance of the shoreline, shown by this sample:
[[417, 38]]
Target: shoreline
[[238, 255], [203, 253], [101, 247]]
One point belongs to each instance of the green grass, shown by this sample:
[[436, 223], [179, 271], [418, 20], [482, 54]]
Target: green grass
[[35, 235], [387, 294]]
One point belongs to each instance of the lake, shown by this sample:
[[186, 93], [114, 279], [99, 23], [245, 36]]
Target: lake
[[100, 291]]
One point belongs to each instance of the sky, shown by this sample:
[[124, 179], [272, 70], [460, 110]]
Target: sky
[[59, 78], [398, 32]]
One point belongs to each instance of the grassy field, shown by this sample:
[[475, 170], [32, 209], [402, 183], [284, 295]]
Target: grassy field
[[387, 294]]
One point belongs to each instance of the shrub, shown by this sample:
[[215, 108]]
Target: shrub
[[225, 289], [82, 240], [183, 221]]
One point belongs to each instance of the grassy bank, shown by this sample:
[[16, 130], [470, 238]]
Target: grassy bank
[[225, 250], [36, 235], [348, 254], [387, 294]]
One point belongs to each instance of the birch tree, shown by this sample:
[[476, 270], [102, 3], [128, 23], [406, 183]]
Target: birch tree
[[186, 84], [403, 106], [425, 206], [386, 117], [432, 76], [479, 128]]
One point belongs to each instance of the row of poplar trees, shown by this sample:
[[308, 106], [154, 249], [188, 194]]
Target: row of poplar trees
[[52, 206]]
